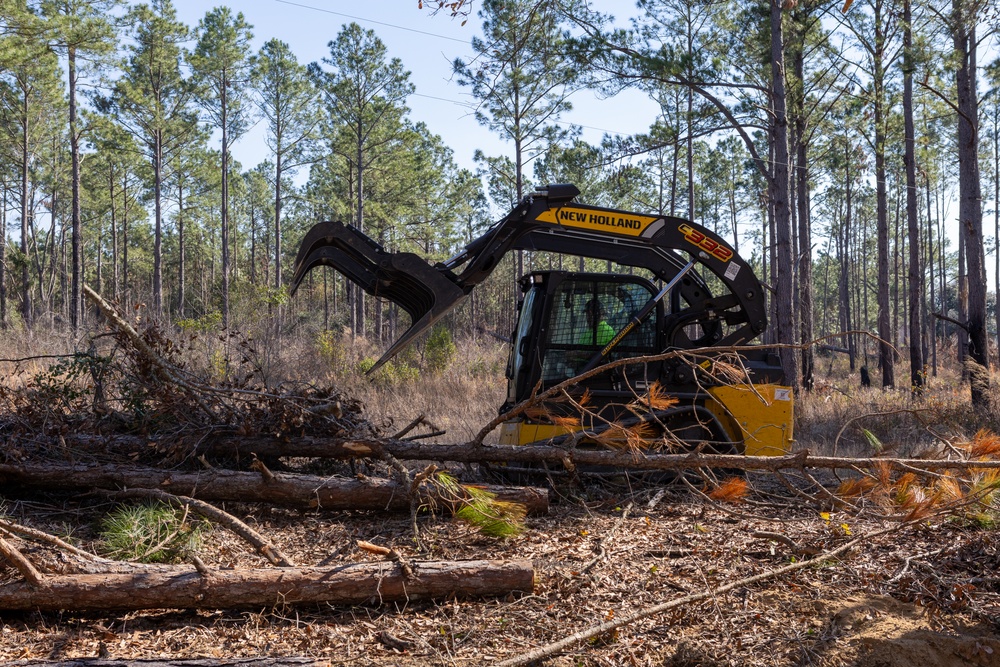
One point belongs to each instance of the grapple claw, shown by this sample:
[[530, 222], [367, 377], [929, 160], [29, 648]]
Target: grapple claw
[[424, 292]]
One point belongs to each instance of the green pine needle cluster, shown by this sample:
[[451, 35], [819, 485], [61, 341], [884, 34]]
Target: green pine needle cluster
[[480, 508], [150, 533]]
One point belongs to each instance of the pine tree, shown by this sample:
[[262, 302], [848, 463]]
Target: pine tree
[[288, 101], [522, 77], [31, 94], [152, 101], [222, 65], [365, 95], [81, 29]]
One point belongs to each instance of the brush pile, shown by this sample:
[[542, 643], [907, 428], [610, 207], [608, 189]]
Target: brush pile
[[122, 422]]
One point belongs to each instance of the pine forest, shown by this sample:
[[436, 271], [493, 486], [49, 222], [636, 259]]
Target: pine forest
[[684, 314]]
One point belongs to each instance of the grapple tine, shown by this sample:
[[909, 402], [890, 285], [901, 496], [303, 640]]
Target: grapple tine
[[424, 292]]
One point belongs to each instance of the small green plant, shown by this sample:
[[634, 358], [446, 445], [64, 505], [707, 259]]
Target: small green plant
[[150, 532], [439, 350], [218, 365], [330, 349], [391, 373], [69, 379], [480, 508], [207, 323]]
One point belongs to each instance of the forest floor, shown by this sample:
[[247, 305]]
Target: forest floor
[[924, 593]]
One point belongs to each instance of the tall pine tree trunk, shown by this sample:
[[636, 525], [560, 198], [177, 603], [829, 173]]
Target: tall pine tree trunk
[[885, 349], [158, 224], [26, 311], [916, 283], [76, 302], [785, 328], [805, 232], [3, 254], [359, 303], [277, 220], [181, 277], [970, 197], [996, 213], [224, 210], [115, 284], [845, 292]]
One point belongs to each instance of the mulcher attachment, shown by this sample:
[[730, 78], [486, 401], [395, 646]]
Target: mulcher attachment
[[426, 293]]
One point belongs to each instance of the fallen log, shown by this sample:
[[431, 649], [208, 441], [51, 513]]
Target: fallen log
[[284, 489], [223, 444], [551, 453], [186, 587]]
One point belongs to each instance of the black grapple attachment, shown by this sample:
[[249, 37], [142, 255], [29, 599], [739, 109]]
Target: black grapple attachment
[[423, 291], [546, 220]]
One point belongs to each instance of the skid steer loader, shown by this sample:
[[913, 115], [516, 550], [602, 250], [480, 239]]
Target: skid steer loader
[[698, 295]]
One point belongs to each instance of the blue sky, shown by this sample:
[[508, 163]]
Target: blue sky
[[426, 45]]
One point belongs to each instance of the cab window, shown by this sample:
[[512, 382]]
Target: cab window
[[584, 318]]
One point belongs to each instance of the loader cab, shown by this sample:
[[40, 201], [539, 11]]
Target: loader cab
[[555, 337]]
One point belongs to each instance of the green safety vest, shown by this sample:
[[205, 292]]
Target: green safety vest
[[604, 335]]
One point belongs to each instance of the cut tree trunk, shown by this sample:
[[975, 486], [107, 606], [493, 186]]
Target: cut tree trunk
[[284, 489], [550, 453], [187, 588]]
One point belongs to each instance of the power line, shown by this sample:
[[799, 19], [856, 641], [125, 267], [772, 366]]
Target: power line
[[382, 23], [430, 34]]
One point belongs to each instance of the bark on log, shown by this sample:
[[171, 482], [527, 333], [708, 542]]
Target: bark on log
[[166, 662], [285, 489], [186, 588], [347, 448], [464, 453]]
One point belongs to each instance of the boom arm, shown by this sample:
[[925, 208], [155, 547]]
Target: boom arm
[[547, 220]]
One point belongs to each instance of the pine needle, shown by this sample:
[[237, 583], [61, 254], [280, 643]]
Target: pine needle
[[910, 496], [545, 416], [921, 509], [539, 414], [635, 438], [884, 473], [904, 483], [873, 440], [949, 488], [480, 508], [728, 373], [985, 483], [732, 490], [852, 488], [657, 399], [984, 445]]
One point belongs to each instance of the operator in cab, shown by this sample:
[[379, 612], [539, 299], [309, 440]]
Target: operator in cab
[[598, 332]]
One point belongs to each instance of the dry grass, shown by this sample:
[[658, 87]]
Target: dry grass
[[18, 343], [835, 416], [458, 400]]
